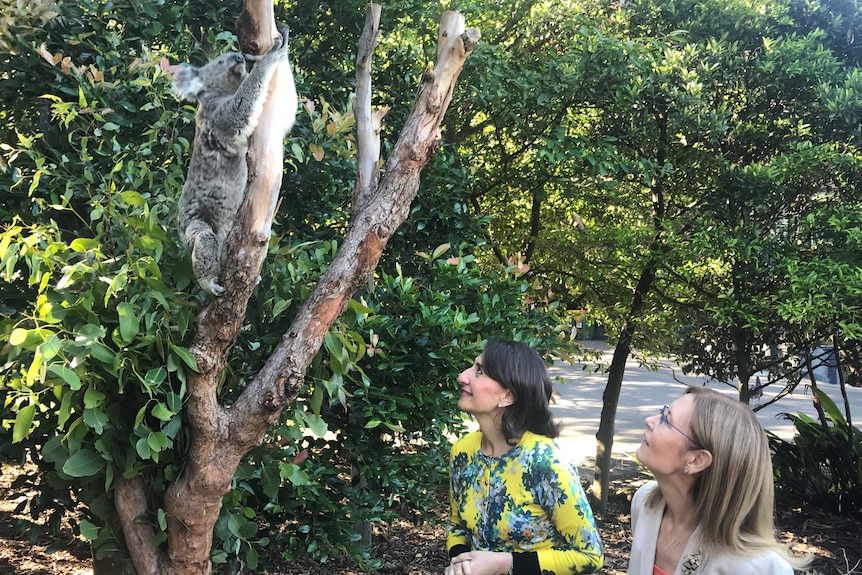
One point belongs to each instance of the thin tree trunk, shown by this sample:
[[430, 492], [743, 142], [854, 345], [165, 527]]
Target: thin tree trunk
[[222, 436], [611, 396]]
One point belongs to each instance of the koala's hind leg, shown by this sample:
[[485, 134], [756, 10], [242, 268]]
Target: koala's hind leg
[[205, 249]]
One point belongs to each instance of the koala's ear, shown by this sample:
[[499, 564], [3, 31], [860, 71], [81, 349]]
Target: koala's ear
[[187, 82]]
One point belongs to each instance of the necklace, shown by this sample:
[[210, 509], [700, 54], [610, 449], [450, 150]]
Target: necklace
[[684, 530], [673, 541]]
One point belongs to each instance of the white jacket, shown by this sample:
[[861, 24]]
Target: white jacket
[[695, 561]]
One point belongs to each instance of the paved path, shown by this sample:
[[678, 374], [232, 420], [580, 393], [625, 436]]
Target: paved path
[[579, 404]]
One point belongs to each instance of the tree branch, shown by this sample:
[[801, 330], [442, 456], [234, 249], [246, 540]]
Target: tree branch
[[130, 499], [367, 122], [280, 380]]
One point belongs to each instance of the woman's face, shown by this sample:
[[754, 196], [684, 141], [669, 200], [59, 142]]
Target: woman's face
[[665, 445], [480, 393]]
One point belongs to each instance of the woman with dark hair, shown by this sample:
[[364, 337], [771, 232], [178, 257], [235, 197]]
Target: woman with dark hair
[[517, 506], [709, 510]]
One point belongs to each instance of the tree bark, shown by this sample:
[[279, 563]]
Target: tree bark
[[220, 436]]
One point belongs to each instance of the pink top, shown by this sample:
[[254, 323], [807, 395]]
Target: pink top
[[656, 570]]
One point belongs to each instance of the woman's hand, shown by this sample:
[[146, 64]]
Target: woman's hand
[[480, 563]]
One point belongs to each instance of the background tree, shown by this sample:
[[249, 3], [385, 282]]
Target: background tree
[[662, 179]]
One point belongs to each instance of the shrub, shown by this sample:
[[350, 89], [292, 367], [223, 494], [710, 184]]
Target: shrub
[[822, 465]]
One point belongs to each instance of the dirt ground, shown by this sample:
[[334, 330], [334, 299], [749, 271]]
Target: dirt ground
[[407, 549]]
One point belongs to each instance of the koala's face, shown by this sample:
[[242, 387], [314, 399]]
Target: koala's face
[[224, 74], [220, 77]]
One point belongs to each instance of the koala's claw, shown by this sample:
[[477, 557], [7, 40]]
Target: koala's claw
[[214, 288], [283, 32]]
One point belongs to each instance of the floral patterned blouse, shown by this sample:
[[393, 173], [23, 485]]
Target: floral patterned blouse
[[527, 501]]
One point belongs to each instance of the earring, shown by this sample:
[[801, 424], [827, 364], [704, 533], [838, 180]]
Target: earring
[[685, 470], [499, 405]]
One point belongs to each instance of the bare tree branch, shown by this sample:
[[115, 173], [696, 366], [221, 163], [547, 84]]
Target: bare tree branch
[[367, 122]]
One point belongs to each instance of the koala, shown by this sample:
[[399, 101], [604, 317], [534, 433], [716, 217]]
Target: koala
[[230, 101]]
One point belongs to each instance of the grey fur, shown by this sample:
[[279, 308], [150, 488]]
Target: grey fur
[[230, 101]]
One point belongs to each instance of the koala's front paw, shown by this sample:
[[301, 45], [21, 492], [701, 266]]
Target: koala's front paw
[[284, 31], [214, 288]]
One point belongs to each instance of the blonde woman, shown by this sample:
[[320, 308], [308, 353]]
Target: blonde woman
[[709, 510]]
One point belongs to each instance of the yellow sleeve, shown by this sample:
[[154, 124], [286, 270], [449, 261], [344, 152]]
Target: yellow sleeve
[[563, 498], [456, 532]]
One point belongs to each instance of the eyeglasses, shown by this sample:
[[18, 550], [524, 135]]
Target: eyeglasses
[[665, 421]]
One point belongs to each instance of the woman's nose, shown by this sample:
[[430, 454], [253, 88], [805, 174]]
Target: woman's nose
[[462, 377]]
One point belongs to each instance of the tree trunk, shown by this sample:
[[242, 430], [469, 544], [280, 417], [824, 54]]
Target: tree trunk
[[611, 396], [221, 437]]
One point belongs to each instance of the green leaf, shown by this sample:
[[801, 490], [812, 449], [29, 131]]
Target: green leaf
[[67, 374], [397, 427], [251, 558], [84, 463], [335, 349], [155, 377], [280, 306], [82, 245], [90, 334], [133, 198], [51, 347], [185, 355], [143, 448], [358, 308], [317, 425], [102, 353], [65, 409], [241, 527], [161, 411], [270, 481], [53, 451], [29, 339], [297, 152], [440, 250], [23, 422], [96, 419], [93, 397], [89, 531], [830, 408], [293, 473], [128, 322], [117, 284], [316, 401]]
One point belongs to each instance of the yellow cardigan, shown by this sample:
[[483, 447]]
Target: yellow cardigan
[[528, 501]]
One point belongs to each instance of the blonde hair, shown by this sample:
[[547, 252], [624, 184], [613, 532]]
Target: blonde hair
[[734, 497]]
